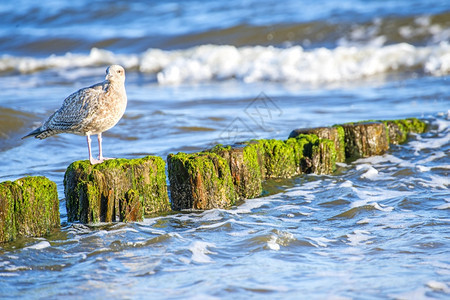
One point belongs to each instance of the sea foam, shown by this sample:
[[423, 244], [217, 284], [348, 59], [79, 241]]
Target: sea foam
[[254, 63]]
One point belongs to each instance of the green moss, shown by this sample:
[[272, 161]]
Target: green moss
[[210, 165], [94, 193], [298, 145], [302, 150], [255, 150], [94, 199], [245, 168], [415, 125], [279, 159], [9, 191], [324, 157], [253, 182], [398, 130], [29, 206], [340, 155], [200, 181], [159, 200], [37, 213], [313, 155]]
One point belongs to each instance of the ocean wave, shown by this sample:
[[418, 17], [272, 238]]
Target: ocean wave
[[122, 27], [417, 30], [254, 63]]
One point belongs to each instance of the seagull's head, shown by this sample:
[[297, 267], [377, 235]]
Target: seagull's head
[[115, 73]]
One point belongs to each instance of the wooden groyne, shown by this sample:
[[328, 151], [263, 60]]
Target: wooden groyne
[[116, 190], [129, 189], [29, 206], [200, 180]]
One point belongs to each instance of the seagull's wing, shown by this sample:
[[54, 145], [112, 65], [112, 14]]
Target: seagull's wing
[[77, 109]]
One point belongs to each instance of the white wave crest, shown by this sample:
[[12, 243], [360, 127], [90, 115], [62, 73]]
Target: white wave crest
[[200, 252], [96, 57], [255, 63]]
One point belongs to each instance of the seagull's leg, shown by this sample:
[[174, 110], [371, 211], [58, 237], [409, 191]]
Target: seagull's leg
[[100, 154], [92, 160]]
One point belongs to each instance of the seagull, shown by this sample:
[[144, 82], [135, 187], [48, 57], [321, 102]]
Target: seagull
[[89, 111]]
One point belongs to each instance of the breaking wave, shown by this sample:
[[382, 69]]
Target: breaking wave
[[254, 63]]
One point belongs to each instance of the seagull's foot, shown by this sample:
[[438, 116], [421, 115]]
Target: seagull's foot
[[98, 160], [94, 161], [105, 158]]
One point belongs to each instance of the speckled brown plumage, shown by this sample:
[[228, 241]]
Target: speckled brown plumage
[[90, 110]]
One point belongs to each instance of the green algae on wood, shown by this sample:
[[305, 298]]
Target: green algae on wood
[[323, 157], [9, 192], [334, 134], [37, 212], [200, 181], [245, 169], [279, 159], [115, 190], [29, 206], [398, 130], [313, 154]]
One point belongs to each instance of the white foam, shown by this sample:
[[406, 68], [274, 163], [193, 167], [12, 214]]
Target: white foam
[[299, 192], [306, 190], [39, 246], [241, 233], [9, 274], [320, 241], [376, 195], [381, 207], [363, 221], [200, 251], [294, 64], [434, 143], [443, 206], [272, 243], [423, 168], [379, 159], [358, 236], [251, 204], [291, 208], [438, 286], [443, 124], [371, 173], [69, 60], [122, 230], [211, 226], [278, 239], [435, 181], [212, 215], [253, 63], [346, 184], [417, 293]]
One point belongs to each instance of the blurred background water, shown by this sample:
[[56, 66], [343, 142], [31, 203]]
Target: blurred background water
[[206, 72]]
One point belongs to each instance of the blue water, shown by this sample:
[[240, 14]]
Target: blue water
[[200, 73]]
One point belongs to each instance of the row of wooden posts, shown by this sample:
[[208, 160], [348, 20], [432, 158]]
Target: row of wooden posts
[[127, 190]]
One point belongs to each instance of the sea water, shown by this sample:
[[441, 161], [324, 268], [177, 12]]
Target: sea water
[[206, 72]]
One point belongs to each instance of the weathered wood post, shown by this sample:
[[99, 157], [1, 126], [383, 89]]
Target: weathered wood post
[[29, 206], [115, 190], [200, 181]]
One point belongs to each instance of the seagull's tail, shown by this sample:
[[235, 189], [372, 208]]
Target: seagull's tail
[[34, 133], [40, 133]]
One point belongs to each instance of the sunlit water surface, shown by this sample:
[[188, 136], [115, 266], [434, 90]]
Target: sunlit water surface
[[376, 228]]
